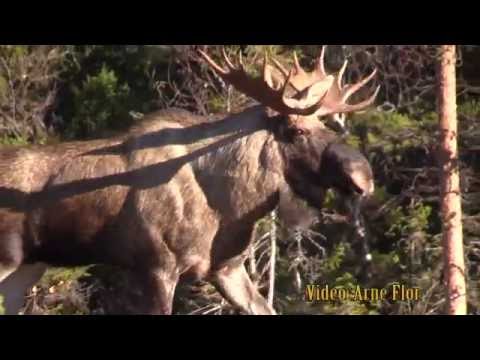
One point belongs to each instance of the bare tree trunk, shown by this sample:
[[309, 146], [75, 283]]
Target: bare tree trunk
[[252, 262], [273, 256], [450, 193]]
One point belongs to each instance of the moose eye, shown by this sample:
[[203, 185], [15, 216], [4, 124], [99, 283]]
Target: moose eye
[[299, 132]]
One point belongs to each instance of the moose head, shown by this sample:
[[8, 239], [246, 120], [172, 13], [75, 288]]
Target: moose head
[[297, 99]]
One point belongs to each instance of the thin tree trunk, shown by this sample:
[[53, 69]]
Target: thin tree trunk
[[450, 193], [273, 257], [252, 262]]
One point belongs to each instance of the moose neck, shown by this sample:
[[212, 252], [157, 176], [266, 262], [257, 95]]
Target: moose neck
[[242, 178]]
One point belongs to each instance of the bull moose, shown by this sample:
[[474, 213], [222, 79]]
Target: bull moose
[[177, 196]]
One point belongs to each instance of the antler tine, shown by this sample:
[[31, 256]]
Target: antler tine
[[361, 105], [227, 60], [336, 100], [298, 68], [212, 63], [321, 61], [285, 73], [240, 61], [340, 74], [351, 89], [302, 79], [267, 73], [280, 67]]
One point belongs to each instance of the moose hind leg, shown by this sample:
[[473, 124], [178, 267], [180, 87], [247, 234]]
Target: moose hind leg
[[235, 286], [14, 286]]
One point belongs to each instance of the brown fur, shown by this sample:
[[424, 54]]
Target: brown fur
[[177, 197]]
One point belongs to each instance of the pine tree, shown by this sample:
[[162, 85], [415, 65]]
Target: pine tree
[[450, 193]]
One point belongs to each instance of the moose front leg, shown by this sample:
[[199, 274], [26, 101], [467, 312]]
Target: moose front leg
[[159, 290], [235, 285]]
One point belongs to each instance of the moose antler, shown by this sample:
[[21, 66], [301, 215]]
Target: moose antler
[[262, 89], [302, 79], [336, 99]]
